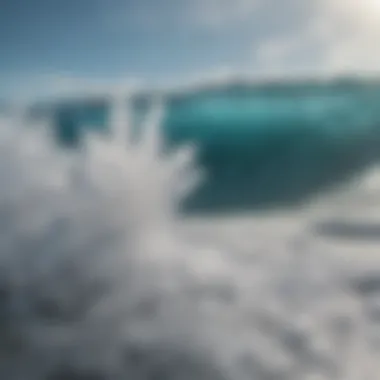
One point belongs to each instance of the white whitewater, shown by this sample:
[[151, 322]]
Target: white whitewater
[[102, 278]]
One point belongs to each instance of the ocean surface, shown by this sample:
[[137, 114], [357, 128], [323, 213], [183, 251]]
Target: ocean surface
[[103, 276], [263, 146]]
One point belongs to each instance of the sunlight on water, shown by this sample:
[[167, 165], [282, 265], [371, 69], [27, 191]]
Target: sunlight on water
[[103, 278]]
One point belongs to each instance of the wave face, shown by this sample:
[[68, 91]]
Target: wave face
[[263, 146], [101, 276]]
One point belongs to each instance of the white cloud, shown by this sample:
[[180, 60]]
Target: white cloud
[[354, 32], [342, 36]]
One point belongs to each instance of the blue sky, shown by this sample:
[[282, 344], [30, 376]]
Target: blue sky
[[57, 45]]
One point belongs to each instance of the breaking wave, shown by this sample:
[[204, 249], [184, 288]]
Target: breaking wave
[[311, 135], [102, 277]]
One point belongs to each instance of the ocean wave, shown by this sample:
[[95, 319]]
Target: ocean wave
[[102, 276], [316, 134]]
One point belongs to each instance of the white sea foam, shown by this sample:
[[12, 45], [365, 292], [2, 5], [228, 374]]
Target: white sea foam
[[101, 275]]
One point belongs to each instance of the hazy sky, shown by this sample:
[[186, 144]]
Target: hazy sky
[[53, 45]]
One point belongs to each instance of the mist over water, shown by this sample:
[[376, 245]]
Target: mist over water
[[104, 277]]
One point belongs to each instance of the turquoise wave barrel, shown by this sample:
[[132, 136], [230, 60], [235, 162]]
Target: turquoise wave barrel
[[262, 146]]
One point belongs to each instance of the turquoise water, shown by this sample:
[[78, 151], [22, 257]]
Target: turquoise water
[[261, 146]]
